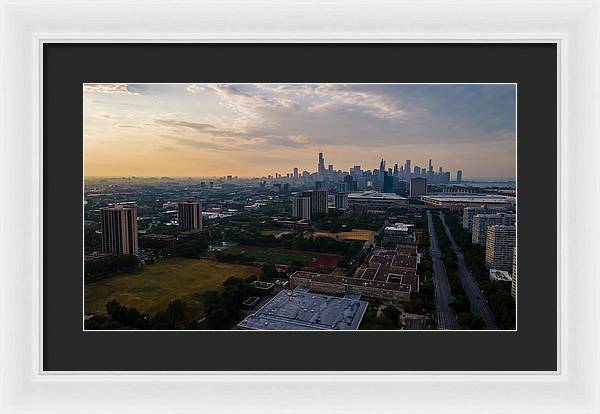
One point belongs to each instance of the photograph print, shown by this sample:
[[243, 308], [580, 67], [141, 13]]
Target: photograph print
[[306, 207]]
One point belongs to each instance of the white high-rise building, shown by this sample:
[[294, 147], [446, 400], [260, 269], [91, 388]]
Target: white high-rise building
[[500, 246], [482, 221], [119, 230]]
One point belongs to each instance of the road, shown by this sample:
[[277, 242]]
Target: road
[[444, 314], [479, 305]]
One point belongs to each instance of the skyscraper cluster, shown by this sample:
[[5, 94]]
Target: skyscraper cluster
[[384, 178]]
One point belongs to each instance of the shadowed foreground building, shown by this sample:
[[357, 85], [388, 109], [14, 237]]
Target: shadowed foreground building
[[300, 309], [119, 230]]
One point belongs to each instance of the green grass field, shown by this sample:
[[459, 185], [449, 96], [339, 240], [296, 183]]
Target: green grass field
[[277, 256], [157, 284], [273, 255]]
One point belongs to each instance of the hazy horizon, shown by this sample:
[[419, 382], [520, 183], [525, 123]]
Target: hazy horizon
[[256, 130]]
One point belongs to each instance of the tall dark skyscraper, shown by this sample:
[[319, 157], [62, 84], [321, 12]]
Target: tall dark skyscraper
[[318, 200], [321, 164], [388, 183], [396, 170], [190, 215], [119, 230], [407, 169], [458, 176]]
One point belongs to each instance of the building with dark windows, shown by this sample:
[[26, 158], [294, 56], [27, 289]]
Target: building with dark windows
[[481, 222], [499, 247], [341, 201], [418, 186], [301, 207], [318, 200], [190, 215], [388, 183], [119, 230]]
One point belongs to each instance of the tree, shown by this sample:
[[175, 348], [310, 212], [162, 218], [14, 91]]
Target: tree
[[177, 310], [461, 303]]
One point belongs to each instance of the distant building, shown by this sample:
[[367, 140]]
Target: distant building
[[399, 233], [470, 212], [301, 207], [158, 241], [342, 187], [119, 230], [418, 186], [318, 200], [374, 199], [388, 183], [458, 176], [513, 287], [458, 201], [481, 222], [190, 215], [341, 201]]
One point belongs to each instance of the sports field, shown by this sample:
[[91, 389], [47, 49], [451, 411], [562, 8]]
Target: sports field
[[354, 234], [287, 257], [157, 284]]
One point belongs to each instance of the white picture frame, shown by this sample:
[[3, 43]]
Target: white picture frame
[[27, 25]]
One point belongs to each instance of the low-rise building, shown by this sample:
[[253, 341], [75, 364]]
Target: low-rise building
[[300, 309], [326, 283], [399, 233], [158, 241], [458, 201], [375, 199]]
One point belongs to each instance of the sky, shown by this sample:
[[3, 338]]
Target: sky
[[255, 130]]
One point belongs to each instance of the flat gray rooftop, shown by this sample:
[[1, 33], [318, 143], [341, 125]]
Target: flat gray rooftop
[[301, 310]]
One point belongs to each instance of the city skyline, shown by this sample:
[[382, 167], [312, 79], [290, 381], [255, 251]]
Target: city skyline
[[255, 130]]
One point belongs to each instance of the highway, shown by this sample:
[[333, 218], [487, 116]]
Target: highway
[[479, 305], [444, 314]]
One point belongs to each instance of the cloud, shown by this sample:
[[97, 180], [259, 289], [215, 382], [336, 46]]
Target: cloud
[[186, 124], [119, 88], [234, 137]]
